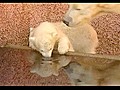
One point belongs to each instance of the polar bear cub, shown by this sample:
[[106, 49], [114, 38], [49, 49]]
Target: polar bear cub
[[44, 37]]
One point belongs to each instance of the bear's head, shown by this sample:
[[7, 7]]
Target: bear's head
[[77, 13], [44, 43]]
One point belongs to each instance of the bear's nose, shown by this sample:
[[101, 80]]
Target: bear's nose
[[66, 22]]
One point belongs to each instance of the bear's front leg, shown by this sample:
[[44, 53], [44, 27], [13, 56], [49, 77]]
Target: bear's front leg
[[63, 45]]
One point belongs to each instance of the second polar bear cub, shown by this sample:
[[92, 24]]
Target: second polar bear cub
[[44, 37]]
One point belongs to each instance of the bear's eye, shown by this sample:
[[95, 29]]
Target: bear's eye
[[50, 49], [77, 9], [41, 50]]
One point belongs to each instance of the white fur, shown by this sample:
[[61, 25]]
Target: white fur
[[82, 38], [80, 12], [44, 37]]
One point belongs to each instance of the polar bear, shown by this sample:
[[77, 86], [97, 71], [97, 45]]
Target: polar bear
[[83, 37], [80, 39], [83, 11], [44, 37]]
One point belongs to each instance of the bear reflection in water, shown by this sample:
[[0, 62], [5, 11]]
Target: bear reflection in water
[[46, 67], [78, 73]]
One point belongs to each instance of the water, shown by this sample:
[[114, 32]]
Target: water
[[82, 69]]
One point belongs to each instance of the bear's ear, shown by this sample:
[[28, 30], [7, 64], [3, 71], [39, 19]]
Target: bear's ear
[[31, 29], [32, 39]]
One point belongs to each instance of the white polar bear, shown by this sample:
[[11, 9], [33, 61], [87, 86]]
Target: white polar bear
[[82, 38], [79, 12], [44, 37]]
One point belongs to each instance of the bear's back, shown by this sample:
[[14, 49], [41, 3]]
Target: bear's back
[[83, 38]]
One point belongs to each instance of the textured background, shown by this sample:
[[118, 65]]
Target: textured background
[[15, 21]]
